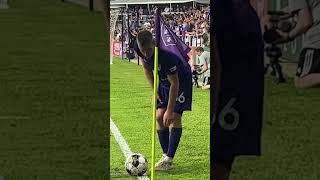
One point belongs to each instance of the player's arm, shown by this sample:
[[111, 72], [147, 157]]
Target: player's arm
[[174, 90]]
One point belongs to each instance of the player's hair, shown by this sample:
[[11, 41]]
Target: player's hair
[[144, 37], [199, 49]]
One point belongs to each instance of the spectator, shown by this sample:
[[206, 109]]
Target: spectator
[[133, 35], [189, 20], [118, 35], [147, 25], [204, 62], [166, 9], [190, 27], [140, 11]]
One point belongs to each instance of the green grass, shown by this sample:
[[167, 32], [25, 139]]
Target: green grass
[[291, 143], [53, 92], [131, 110]]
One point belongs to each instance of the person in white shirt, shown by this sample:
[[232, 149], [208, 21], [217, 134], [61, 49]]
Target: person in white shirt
[[204, 61]]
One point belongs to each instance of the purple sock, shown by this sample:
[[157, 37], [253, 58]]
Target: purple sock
[[163, 135], [174, 140]]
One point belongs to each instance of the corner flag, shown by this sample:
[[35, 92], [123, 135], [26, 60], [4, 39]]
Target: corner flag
[[167, 40]]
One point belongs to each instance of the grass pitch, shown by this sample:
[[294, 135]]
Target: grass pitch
[[53, 92], [291, 143], [131, 110]]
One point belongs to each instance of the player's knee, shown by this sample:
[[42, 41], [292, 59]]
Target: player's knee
[[160, 112], [176, 122], [160, 122], [159, 118]]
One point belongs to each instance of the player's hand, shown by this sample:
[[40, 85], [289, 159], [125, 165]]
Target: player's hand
[[167, 118]]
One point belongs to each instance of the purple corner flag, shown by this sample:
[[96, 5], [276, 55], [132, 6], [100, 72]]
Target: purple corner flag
[[167, 40]]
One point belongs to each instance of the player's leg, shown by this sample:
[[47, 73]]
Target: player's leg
[[184, 102], [174, 138], [163, 132], [163, 135], [175, 134]]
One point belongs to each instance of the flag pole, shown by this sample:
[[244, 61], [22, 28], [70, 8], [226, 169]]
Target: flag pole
[[155, 88], [155, 93], [174, 45]]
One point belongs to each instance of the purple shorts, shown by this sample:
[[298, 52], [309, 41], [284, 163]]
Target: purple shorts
[[184, 99]]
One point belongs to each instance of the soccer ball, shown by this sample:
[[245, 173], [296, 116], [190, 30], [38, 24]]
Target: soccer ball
[[136, 164]]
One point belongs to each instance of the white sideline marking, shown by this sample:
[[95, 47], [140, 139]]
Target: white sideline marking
[[123, 144], [119, 138]]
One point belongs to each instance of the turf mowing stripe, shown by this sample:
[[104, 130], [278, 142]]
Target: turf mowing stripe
[[123, 144]]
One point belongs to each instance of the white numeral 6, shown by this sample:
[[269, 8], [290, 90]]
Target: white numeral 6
[[228, 109], [181, 99]]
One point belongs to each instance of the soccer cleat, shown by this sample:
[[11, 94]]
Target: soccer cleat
[[164, 164], [162, 159]]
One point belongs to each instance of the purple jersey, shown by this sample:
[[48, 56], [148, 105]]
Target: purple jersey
[[168, 64], [171, 64]]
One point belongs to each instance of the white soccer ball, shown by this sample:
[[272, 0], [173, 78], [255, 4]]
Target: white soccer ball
[[136, 164]]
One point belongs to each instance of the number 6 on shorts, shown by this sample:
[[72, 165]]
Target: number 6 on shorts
[[181, 99], [228, 109]]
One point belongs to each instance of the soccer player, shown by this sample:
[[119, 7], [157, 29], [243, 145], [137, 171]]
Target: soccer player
[[174, 94], [204, 61], [238, 85], [308, 23]]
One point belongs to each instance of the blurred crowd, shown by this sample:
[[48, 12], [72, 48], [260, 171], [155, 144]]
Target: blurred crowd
[[183, 20]]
